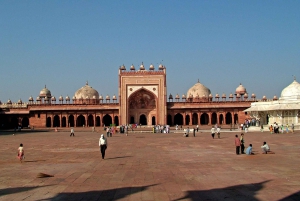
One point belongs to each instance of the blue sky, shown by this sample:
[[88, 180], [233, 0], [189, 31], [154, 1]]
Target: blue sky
[[63, 44]]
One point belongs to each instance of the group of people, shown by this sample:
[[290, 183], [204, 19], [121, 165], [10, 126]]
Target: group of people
[[161, 129], [215, 129], [275, 128], [187, 131], [240, 146]]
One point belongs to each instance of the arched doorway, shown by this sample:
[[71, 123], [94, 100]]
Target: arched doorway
[[187, 119], [221, 119], [48, 122], [204, 119], [214, 118], [80, 122], [236, 119], [98, 121], [14, 122], [143, 119], [228, 118], [169, 119], [116, 120], [56, 121], [142, 102], [132, 120], [64, 122], [107, 120], [153, 120], [178, 119], [25, 122], [195, 119], [71, 121], [91, 120]]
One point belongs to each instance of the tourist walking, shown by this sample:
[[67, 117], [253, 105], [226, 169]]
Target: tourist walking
[[197, 128], [293, 128], [218, 132], [271, 129], [107, 131], [213, 131], [242, 143], [72, 132], [188, 131], [21, 155], [287, 128], [194, 132], [237, 143], [102, 145], [262, 128]]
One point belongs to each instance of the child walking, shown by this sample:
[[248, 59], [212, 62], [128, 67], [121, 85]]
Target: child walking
[[21, 152]]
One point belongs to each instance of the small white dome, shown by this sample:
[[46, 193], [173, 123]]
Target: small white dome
[[142, 67]]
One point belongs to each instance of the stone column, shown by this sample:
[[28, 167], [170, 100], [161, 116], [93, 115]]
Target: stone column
[[86, 120], [184, 115], [101, 119], [199, 115], [75, 120], [60, 125], [94, 116], [209, 118], [232, 118], [52, 120], [191, 119]]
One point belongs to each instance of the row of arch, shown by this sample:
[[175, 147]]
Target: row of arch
[[193, 120], [66, 121], [204, 119], [81, 121], [90, 121]]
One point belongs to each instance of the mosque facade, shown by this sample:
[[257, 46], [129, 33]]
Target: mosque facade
[[142, 99]]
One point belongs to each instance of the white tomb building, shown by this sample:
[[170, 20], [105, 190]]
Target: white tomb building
[[283, 111]]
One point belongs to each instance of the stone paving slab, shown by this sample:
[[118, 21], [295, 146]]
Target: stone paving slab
[[147, 166]]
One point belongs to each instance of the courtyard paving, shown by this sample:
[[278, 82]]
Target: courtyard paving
[[147, 166]]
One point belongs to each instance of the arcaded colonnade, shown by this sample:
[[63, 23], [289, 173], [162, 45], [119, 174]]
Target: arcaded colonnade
[[202, 118]]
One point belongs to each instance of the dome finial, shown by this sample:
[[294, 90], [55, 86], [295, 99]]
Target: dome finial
[[45, 87], [87, 83], [294, 77], [198, 80]]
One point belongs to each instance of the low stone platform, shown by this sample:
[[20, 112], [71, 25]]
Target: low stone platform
[[146, 166]]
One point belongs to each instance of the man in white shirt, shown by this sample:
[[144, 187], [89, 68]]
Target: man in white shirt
[[266, 149]]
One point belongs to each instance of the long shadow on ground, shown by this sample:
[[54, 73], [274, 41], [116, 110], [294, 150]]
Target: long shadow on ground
[[110, 194], [238, 192], [8, 191]]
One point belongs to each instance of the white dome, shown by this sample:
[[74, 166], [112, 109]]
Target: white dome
[[198, 89], [86, 91], [291, 92]]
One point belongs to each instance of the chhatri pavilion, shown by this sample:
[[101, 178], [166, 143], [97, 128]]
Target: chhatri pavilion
[[142, 99]]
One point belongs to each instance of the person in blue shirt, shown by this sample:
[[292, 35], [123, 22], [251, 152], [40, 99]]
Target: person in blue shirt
[[249, 150]]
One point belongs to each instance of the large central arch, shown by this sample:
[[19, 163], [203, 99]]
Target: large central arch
[[142, 102]]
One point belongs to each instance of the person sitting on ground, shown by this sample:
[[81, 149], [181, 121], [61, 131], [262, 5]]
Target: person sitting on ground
[[185, 135], [266, 149], [249, 150]]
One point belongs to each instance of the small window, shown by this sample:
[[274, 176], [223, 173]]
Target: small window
[[39, 115], [245, 113]]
